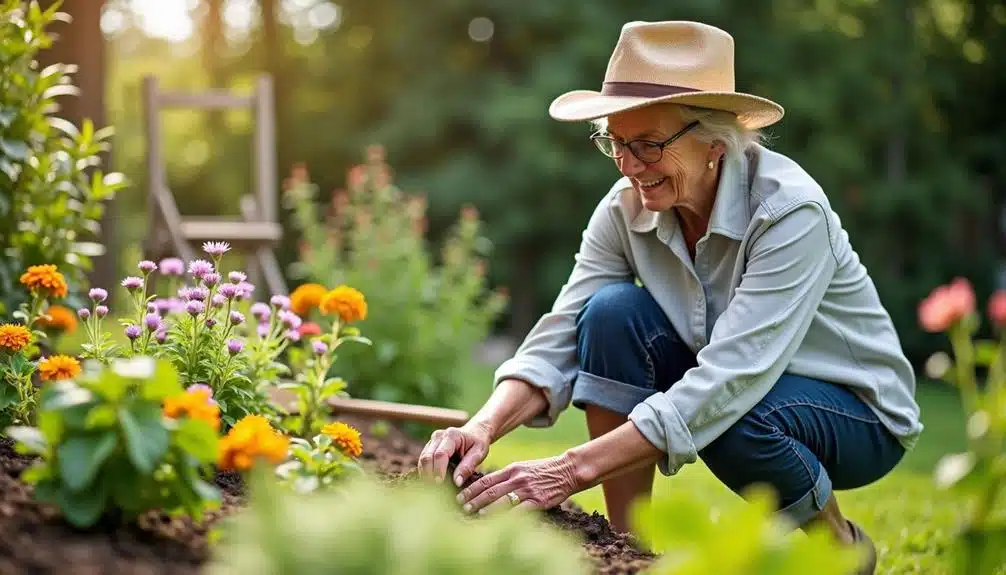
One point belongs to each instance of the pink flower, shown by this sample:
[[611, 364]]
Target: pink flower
[[997, 308], [947, 305]]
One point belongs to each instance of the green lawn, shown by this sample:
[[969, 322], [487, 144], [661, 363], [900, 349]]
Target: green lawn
[[910, 520]]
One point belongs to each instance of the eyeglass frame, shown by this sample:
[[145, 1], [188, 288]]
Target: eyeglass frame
[[628, 145]]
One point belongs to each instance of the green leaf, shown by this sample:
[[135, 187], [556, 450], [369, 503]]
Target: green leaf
[[30, 437], [80, 457], [198, 439], [986, 352], [357, 339], [12, 170], [110, 386], [7, 116], [15, 149], [8, 395], [164, 383], [103, 415], [82, 508], [146, 437], [63, 395], [351, 330]]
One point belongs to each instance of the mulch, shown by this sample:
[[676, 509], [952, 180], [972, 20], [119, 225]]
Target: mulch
[[35, 540]]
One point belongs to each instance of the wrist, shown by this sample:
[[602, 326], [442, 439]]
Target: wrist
[[582, 466]]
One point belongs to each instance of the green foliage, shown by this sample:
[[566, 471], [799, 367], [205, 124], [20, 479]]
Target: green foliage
[[751, 541], [365, 527], [429, 315], [108, 452], [977, 475], [315, 464], [51, 186]]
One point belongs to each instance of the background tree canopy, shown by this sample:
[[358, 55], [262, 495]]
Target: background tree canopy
[[889, 105]]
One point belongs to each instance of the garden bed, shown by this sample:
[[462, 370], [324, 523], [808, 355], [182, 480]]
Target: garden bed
[[34, 539]]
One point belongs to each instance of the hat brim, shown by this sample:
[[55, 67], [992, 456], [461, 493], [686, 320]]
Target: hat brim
[[753, 112]]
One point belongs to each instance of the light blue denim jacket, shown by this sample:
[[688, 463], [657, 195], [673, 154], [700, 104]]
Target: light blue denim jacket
[[775, 286]]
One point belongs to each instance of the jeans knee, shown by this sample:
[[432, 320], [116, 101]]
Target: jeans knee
[[612, 307]]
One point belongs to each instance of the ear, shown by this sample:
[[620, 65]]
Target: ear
[[716, 151]]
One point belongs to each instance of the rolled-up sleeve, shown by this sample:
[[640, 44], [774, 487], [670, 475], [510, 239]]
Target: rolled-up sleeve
[[789, 268], [547, 357]]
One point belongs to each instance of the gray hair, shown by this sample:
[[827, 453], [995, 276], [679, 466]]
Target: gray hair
[[714, 125]]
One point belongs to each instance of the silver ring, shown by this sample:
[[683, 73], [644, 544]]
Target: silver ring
[[514, 499]]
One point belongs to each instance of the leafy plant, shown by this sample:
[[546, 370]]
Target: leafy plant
[[441, 309], [322, 461], [752, 541], [978, 474], [366, 527], [108, 452], [51, 185]]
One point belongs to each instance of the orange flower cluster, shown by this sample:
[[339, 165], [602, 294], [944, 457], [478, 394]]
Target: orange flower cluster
[[58, 367], [196, 403], [345, 437], [60, 318], [347, 302], [46, 280], [14, 337], [250, 438], [306, 297]]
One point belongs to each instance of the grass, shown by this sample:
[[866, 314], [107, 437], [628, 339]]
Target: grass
[[911, 521]]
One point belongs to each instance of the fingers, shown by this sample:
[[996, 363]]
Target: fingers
[[426, 456], [488, 489], [438, 451], [473, 457]]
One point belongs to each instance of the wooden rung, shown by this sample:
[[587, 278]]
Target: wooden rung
[[383, 409], [235, 232], [211, 100]]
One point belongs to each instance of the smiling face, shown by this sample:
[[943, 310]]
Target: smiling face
[[681, 177]]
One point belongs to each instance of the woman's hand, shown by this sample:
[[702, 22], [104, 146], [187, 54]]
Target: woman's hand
[[538, 484], [470, 441]]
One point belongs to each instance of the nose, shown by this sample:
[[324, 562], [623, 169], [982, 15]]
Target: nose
[[629, 164]]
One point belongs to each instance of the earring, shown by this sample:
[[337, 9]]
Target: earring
[[711, 164]]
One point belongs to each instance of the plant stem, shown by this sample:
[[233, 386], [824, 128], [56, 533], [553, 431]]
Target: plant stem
[[964, 353]]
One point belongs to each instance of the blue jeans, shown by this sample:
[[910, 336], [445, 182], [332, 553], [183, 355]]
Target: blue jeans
[[806, 438]]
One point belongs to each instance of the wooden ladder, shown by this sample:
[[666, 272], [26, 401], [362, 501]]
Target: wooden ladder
[[257, 231]]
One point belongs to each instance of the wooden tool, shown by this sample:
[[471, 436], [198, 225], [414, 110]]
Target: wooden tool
[[385, 409]]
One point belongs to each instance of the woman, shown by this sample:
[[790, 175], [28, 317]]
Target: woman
[[716, 309]]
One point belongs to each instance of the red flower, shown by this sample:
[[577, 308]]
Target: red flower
[[947, 305], [997, 308], [309, 328]]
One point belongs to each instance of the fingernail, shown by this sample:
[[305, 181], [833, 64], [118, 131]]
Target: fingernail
[[468, 507], [457, 480], [461, 498]]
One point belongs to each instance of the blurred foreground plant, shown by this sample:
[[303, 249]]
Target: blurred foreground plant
[[366, 527], [978, 474], [433, 313]]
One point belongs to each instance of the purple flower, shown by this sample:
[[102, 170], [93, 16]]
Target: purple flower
[[132, 283], [195, 307], [183, 293], [319, 346], [83, 313], [237, 277], [172, 267], [262, 330], [101, 311], [199, 268], [97, 294], [210, 322], [133, 331], [293, 335], [280, 301], [219, 300], [152, 321], [151, 307], [216, 249], [245, 290], [229, 291], [261, 311], [198, 294], [161, 336], [162, 305], [290, 319], [147, 266], [237, 318], [211, 279], [235, 346]]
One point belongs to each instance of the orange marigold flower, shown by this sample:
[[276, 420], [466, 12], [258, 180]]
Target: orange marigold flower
[[306, 297], [46, 280], [249, 439], [345, 437], [14, 337], [196, 403], [345, 301], [58, 367], [60, 318]]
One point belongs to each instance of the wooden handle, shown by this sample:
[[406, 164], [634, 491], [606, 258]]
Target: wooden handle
[[383, 409]]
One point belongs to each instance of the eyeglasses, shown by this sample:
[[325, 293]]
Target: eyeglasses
[[648, 152]]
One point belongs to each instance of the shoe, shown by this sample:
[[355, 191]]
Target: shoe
[[862, 539]]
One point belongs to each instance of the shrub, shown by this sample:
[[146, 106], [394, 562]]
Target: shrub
[[431, 314], [109, 452], [324, 460], [977, 475], [366, 527], [51, 187]]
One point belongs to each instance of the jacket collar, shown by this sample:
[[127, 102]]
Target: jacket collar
[[730, 216]]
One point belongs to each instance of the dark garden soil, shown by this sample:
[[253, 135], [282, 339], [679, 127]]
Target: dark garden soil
[[34, 539]]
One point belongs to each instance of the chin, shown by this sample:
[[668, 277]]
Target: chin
[[656, 203]]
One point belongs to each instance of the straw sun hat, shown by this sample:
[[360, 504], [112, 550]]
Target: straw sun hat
[[668, 62]]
